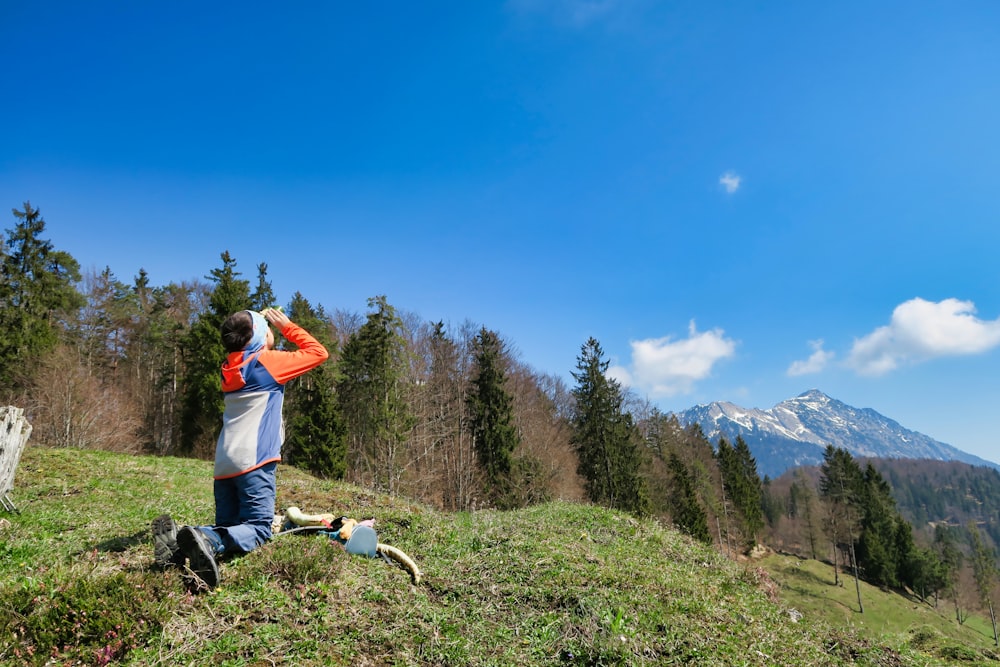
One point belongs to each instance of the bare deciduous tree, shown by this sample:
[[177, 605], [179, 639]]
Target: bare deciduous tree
[[71, 407]]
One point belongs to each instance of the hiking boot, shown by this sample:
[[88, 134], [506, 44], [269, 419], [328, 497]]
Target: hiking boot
[[165, 550], [194, 545]]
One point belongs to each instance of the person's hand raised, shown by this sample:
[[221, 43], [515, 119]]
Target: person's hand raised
[[275, 317]]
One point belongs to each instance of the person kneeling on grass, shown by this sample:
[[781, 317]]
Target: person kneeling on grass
[[249, 448]]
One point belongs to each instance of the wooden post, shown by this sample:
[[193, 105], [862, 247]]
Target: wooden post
[[14, 433]]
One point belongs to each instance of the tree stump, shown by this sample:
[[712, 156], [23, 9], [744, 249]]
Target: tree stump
[[14, 433]]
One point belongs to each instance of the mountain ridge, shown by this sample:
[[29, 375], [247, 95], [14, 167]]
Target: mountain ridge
[[796, 432]]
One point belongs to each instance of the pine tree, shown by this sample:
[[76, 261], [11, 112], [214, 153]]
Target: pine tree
[[491, 417], [604, 437], [204, 353], [917, 568], [840, 481], [316, 439], [37, 294], [749, 500], [263, 294], [742, 487], [140, 356], [984, 571], [158, 353], [104, 328], [687, 514], [802, 508], [876, 546], [451, 465], [372, 391], [950, 558], [726, 463], [772, 504]]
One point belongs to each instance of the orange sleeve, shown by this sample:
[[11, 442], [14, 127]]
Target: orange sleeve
[[284, 365]]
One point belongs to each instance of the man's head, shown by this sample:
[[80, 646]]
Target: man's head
[[246, 330]]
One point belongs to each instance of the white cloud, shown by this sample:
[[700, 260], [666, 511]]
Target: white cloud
[[816, 362], [921, 330], [620, 374], [664, 367], [730, 181]]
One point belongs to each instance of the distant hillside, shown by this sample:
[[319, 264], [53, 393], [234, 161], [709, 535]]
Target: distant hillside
[[928, 493], [555, 584], [946, 492], [795, 432]]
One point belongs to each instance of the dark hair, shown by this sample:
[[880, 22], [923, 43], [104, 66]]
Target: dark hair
[[237, 331]]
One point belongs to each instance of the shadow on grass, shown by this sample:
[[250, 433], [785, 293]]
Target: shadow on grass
[[806, 592], [812, 585], [123, 543], [806, 576]]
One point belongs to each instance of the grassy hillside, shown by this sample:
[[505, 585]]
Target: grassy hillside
[[808, 587], [556, 584]]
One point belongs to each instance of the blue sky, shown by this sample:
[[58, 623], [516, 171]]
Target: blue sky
[[740, 203]]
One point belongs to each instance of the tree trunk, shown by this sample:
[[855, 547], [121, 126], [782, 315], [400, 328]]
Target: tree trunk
[[725, 511], [857, 583], [14, 433], [993, 620], [836, 571]]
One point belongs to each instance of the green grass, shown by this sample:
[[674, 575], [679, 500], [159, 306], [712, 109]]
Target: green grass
[[555, 584], [808, 586]]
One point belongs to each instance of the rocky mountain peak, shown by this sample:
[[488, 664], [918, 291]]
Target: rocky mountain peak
[[797, 431]]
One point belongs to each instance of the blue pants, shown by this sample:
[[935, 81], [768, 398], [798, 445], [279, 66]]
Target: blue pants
[[244, 510]]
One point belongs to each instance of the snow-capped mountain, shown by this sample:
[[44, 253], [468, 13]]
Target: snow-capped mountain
[[796, 432]]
